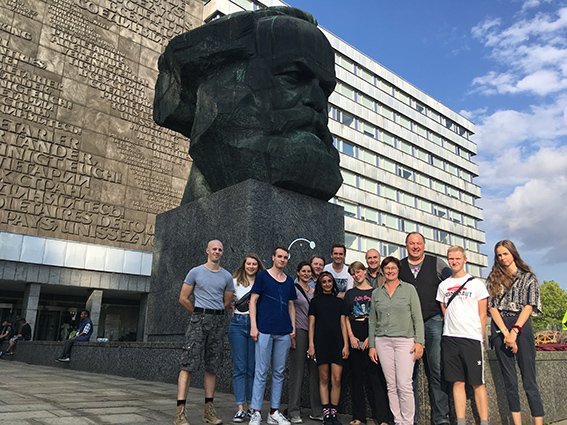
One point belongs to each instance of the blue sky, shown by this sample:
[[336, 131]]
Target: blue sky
[[503, 65]]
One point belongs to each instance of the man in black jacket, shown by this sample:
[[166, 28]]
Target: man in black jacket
[[425, 272], [24, 334]]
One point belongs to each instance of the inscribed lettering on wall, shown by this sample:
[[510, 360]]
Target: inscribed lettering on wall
[[80, 156]]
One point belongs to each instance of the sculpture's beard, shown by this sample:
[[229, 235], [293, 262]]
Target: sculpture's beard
[[290, 148]]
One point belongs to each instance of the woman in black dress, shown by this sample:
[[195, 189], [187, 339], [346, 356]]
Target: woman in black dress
[[328, 342], [366, 376]]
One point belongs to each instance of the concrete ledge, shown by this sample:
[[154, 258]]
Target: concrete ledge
[[159, 361]]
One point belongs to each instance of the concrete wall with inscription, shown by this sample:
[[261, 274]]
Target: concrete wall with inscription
[[80, 157]]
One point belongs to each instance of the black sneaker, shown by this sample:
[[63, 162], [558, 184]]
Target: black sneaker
[[240, 416]]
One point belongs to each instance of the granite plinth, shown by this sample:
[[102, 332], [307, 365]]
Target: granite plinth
[[251, 216]]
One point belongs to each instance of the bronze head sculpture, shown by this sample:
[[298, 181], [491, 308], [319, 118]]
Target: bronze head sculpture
[[250, 90]]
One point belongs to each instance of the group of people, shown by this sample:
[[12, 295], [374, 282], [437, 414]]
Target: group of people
[[379, 319], [13, 334]]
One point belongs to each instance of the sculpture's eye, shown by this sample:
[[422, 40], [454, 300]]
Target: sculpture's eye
[[291, 77]]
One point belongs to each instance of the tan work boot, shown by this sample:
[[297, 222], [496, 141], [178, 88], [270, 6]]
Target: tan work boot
[[210, 415], [180, 418]]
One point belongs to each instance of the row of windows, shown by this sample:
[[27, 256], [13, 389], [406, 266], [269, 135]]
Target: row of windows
[[388, 113], [402, 96], [403, 171], [363, 244], [391, 221], [388, 192]]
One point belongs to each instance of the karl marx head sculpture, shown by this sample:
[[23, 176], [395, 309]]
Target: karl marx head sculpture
[[250, 90]]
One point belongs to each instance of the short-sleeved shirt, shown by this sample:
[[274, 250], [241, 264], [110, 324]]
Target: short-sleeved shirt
[[358, 303], [462, 319], [343, 278], [272, 307], [524, 291], [209, 286], [302, 308]]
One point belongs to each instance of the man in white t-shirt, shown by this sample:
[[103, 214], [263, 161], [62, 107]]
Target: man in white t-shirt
[[463, 301], [339, 269]]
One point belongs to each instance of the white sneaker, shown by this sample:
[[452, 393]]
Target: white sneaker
[[255, 419], [277, 418]]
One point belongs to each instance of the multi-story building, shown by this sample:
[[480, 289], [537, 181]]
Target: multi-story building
[[406, 159], [84, 170]]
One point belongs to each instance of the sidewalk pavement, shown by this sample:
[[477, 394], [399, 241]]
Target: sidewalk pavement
[[31, 394]]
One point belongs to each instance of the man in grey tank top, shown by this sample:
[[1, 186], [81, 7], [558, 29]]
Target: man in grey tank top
[[213, 289]]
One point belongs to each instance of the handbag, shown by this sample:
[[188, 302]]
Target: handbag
[[243, 304]]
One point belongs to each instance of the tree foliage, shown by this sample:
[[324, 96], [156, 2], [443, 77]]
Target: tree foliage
[[553, 305]]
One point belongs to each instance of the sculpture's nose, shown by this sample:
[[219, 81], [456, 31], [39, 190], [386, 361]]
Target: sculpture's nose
[[314, 96]]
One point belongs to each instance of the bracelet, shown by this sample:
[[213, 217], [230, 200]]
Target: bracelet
[[518, 328]]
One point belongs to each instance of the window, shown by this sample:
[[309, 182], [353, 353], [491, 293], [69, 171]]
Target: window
[[388, 138], [465, 197], [351, 210], [453, 192], [390, 221], [469, 221], [403, 121], [466, 176], [405, 173], [406, 147], [439, 211], [349, 178], [367, 156], [435, 138], [472, 246], [407, 199], [390, 250], [368, 129], [345, 90], [388, 192], [347, 119], [386, 87], [351, 241], [424, 205], [403, 97], [408, 226], [365, 75], [473, 270], [421, 154], [422, 131], [455, 216], [427, 232], [434, 115], [387, 112], [442, 236], [388, 165], [457, 240], [437, 162], [452, 169], [368, 243], [367, 101], [449, 124], [345, 62], [422, 179], [369, 214], [438, 186], [368, 185], [419, 107], [464, 154], [347, 148]]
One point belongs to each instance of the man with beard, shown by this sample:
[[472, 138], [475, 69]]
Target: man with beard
[[250, 89]]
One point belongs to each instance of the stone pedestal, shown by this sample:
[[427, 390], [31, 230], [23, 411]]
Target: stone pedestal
[[249, 217]]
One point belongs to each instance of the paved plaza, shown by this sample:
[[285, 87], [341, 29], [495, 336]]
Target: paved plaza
[[31, 394]]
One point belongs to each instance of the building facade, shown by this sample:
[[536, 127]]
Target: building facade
[[84, 170]]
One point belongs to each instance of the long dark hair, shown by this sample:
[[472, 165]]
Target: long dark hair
[[499, 276], [319, 288]]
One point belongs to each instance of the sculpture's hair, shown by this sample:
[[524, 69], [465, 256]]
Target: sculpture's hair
[[240, 273], [499, 276], [190, 58]]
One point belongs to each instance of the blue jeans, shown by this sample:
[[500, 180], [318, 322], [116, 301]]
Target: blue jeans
[[242, 348], [438, 395], [270, 349]]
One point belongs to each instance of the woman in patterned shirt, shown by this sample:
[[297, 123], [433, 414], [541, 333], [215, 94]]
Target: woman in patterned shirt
[[514, 297]]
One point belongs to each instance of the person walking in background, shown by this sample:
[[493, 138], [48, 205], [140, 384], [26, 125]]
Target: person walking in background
[[299, 346], [367, 378], [396, 338], [514, 297], [272, 326], [84, 332], [242, 346], [328, 342], [425, 272], [463, 301]]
